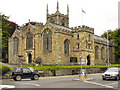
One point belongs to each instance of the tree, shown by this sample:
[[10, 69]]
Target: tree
[[7, 29], [115, 36], [5, 35], [110, 35], [116, 40]]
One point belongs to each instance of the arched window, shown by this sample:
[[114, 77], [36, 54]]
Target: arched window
[[86, 43], [52, 20], [96, 52], [78, 45], [77, 36], [47, 40], [63, 22], [66, 47], [89, 38], [102, 53], [16, 45], [29, 40]]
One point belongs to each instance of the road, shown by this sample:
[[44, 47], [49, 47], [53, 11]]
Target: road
[[64, 82]]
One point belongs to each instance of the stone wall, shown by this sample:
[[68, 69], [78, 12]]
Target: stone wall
[[76, 71]]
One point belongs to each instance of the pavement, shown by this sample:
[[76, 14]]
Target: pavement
[[64, 82], [8, 64]]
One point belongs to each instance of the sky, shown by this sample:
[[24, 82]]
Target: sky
[[102, 15]]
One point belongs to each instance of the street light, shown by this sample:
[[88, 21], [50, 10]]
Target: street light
[[108, 48], [80, 58]]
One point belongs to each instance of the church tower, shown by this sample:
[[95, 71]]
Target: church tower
[[57, 17]]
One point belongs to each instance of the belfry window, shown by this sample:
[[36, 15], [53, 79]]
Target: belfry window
[[52, 20], [16, 45], [78, 45], [29, 40], [63, 22], [66, 47], [47, 40]]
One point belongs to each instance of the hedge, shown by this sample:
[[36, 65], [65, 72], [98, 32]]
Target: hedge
[[4, 69], [52, 67]]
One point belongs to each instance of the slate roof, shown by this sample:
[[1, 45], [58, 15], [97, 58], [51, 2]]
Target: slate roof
[[100, 38], [59, 27]]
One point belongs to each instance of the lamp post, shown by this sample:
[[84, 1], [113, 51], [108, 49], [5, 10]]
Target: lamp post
[[108, 47], [80, 58]]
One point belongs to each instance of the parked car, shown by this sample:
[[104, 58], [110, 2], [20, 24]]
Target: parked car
[[32, 69], [23, 73], [111, 73]]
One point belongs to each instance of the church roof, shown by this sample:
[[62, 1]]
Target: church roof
[[100, 38], [59, 27]]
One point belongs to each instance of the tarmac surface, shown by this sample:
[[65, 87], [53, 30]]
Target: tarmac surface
[[64, 82]]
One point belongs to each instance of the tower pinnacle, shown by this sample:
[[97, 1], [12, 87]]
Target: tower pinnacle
[[67, 9], [47, 12], [57, 6]]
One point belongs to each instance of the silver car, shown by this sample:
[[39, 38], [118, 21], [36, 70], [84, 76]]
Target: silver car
[[111, 73]]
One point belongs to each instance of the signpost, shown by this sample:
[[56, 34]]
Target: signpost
[[82, 71], [81, 65]]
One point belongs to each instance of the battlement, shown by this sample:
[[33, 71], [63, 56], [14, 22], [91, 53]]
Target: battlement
[[83, 27]]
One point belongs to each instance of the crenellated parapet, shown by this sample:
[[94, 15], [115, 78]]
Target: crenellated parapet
[[82, 28]]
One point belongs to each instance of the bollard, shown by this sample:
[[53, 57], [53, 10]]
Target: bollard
[[82, 75]]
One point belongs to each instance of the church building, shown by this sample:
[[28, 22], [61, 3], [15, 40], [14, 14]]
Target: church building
[[55, 43]]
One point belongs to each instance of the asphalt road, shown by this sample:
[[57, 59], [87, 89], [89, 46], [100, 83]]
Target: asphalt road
[[64, 82]]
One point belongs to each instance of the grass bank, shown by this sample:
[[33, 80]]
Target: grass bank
[[67, 66]]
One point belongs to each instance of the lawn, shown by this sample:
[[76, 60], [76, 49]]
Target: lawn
[[67, 66]]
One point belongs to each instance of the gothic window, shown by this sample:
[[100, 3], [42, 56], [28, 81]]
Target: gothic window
[[66, 47], [63, 22], [78, 45], [86, 43], [102, 53], [88, 46], [16, 45], [96, 52], [29, 40], [47, 40], [52, 20], [89, 37], [78, 36]]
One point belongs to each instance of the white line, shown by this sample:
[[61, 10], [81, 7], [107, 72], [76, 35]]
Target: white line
[[6, 86], [99, 84], [112, 83], [32, 84]]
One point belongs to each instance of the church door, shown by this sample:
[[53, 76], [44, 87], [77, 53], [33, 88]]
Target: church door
[[30, 58], [88, 60]]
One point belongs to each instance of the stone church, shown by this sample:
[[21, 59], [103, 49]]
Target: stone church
[[55, 43]]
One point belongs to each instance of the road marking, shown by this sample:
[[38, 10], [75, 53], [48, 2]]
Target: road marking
[[112, 83], [32, 84], [99, 84], [6, 86]]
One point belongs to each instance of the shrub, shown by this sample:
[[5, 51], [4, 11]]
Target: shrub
[[4, 69]]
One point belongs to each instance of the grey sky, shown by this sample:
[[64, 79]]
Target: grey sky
[[101, 15]]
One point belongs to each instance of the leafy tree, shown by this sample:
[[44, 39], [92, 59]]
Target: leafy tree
[[115, 36], [116, 40], [5, 35], [110, 35]]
